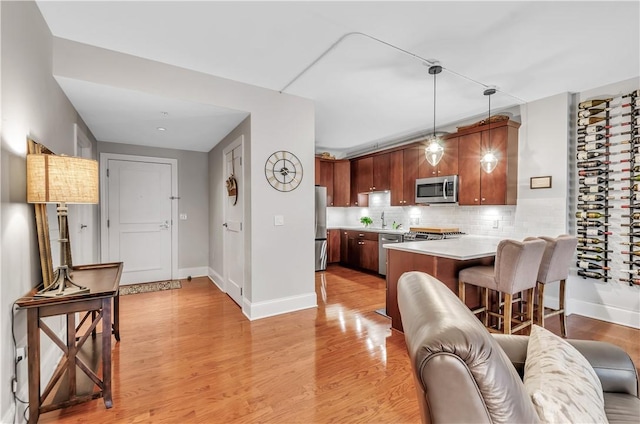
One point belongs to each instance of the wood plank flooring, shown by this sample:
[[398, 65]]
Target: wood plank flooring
[[189, 355]]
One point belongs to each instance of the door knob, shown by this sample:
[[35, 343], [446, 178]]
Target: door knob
[[165, 225], [82, 226], [225, 225]]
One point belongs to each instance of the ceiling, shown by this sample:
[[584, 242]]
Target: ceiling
[[367, 91]]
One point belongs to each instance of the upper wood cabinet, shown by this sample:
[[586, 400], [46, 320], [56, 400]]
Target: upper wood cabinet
[[448, 165], [396, 166], [404, 166], [335, 176], [476, 187], [380, 171]]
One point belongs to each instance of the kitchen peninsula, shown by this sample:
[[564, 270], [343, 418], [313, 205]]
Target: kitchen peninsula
[[442, 259]]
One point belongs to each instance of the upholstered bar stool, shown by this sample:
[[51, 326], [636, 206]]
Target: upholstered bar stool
[[555, 267], [515, 270]]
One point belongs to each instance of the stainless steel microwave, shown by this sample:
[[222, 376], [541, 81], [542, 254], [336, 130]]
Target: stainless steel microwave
[[437, 189]]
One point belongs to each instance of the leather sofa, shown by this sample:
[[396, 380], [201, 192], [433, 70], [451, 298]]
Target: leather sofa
[[465, 374]]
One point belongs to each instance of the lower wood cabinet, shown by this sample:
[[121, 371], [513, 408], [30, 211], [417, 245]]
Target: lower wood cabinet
[[361, 249], [333, 246]]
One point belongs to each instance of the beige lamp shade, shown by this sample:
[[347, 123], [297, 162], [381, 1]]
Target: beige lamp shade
[[61, 179]]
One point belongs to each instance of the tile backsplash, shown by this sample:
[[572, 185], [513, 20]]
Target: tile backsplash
[[529, 218]]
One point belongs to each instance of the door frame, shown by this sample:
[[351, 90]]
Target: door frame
[[238, 142], [104, 206]]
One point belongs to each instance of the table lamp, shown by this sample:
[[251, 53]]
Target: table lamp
[[62, 180]]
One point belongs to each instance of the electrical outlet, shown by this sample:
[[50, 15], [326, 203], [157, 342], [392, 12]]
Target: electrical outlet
[[496, 223], [20, 354], [14, 385]]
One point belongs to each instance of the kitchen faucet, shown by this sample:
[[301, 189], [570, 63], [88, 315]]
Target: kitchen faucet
[[384, 224]]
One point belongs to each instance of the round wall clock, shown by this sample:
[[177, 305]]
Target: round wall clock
[[283, 171]]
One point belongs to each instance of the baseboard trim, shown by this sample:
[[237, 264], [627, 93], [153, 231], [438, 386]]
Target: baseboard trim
[[605, 313], [199, 271], [269, 308], [216, 279]]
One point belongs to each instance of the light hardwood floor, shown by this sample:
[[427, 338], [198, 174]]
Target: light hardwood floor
[[189, 355]]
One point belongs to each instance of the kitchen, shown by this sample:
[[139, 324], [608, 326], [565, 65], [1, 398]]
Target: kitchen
[[535, 211]]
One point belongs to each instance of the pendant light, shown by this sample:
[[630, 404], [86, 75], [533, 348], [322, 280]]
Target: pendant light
[[489, 161], [434, 150]]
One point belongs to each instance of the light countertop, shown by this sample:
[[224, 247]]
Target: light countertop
[[387, 230], [462, 248]]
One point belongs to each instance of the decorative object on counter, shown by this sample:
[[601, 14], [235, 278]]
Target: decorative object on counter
[[327, 155], [540, 182], [366, 221], [489, 160], [62, 180], [395, 225], [434, 151], [491, 120], [283, 171]]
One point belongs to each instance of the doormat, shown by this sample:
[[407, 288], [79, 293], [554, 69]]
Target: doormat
[[149, 287]]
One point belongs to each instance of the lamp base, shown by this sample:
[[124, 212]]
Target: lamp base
[[62, 285]]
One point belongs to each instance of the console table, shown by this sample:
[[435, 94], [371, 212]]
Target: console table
[[103, 281]]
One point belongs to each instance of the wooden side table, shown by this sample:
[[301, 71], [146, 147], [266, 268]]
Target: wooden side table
[[103, 281]]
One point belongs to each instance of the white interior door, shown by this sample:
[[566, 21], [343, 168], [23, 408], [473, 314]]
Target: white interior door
[[139, 219], [233, 231]]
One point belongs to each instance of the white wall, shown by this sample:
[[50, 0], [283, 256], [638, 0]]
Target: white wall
[[282, 279], [32, 105]]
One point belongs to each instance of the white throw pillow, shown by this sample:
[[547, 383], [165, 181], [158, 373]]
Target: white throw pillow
[[562, 384]]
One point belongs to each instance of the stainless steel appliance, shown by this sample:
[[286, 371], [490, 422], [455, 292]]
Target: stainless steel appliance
[[321, 228], [437, 189], [382, 252]]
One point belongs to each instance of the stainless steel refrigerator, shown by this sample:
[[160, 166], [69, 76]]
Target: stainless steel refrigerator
[[321, 228]]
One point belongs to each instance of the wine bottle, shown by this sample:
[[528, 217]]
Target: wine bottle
[[634, 132], [592, 206], [636, 263], [632, 225], [591, 224], [593, 189], [630, 234], [592, 146], [593, 163], [634, 169], [595, 180], [591, 274], [585, 256], [633, 206], [589, 240], [634, 159], [635, 93], [590, 215], [596, 249], [591, 120], [593, 232], [585, 113], [592, 172], [584, 155], [631, 252], [593, 137], [630, 280], [633, 243], [594, 197], [590, 265], [635, 140], [633, 196], [634, 178], [635, 215], [593, 103]]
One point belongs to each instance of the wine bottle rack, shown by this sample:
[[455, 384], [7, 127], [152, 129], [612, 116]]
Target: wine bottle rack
[[605, 175]]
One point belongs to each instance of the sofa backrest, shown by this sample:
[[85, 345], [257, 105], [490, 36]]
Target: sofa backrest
[[461, 373]]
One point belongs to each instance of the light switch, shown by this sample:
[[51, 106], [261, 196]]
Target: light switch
[[278, 220], [183, 217]]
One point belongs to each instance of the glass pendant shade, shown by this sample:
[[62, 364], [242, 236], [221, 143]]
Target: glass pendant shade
[[434, 152], [489, 162]]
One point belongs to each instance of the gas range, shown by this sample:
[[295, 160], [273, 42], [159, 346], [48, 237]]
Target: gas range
[[422, 234]]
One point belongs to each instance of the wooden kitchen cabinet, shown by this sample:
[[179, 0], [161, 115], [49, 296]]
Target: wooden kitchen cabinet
[[365, 175], [410, 174], [396, 177], [361, 250], [448, 165], [344, 247], [335, 176], [380, 171], [357, 198], [341, 183], [476, 187], [333, 246]]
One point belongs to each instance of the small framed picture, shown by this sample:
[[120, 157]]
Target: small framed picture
[[540, 182]]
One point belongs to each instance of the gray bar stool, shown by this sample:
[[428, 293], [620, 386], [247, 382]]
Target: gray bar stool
[[555, 267], [515, 270]]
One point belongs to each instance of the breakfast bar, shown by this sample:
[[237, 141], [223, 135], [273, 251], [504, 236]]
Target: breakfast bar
[[442, 259]]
